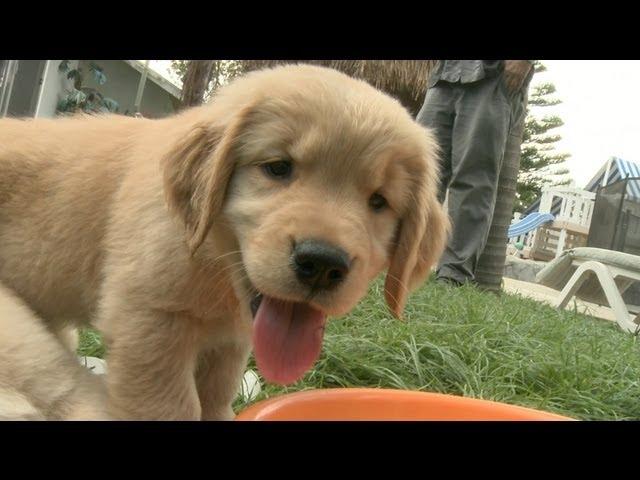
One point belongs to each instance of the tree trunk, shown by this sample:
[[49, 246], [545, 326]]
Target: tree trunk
[[490, 266], [195, 82]]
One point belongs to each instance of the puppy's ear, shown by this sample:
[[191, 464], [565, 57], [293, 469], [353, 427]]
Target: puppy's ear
[[197, 171], [420, 241]]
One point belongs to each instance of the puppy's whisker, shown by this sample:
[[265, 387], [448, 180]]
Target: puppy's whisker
[[213, 261], [309, 297], [227, 268], [225, 290], [233, 252], [221, 276], [227, 271], [239, 268], [400, 282], [393, 297]]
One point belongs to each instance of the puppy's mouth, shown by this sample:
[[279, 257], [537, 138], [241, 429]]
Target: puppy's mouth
[[255, 304], [287, 337]]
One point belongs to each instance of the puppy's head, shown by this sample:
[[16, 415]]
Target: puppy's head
[[324, 182]]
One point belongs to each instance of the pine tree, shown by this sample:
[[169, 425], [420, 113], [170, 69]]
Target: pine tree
[[540, 164], [200, 78]]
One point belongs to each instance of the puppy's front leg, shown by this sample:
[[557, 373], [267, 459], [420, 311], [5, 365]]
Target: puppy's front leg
[[151, 367], [218, 378]]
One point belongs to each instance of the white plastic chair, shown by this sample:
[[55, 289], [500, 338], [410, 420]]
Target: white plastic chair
[[596, 275]]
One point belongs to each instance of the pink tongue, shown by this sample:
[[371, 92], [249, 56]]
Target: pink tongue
[[287, 338]]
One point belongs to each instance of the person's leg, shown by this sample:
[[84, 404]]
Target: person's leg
[[482, 119], [437, 113]]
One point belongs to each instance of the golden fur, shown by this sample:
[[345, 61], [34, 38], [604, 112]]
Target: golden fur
[[158, 231], [40, 379]]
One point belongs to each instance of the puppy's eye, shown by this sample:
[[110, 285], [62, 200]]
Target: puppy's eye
[[377, 202], [280, 169]]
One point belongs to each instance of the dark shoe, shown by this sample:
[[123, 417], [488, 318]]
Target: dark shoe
[[449, 282], [490, 289]]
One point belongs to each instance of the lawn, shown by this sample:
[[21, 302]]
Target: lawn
[[465, 342]]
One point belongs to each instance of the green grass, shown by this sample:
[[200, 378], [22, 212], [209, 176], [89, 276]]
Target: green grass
[[465, 342], [90, 344]]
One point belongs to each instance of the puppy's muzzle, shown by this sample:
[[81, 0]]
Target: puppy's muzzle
[[319, 265]]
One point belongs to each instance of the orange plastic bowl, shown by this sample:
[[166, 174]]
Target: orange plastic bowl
[[382, 404]]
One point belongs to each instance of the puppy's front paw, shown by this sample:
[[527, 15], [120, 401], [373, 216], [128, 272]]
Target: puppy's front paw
[[225, 413]]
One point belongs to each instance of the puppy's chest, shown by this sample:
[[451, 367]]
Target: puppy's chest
[[224, 330], [221, 320]]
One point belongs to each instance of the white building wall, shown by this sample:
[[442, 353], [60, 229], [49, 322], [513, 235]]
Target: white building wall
[[121, 86], [53, 88]]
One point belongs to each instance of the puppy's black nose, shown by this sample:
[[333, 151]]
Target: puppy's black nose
[[319, 264]]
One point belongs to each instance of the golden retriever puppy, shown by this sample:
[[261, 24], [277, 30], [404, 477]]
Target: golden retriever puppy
[[39, 378], [245, 221]]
